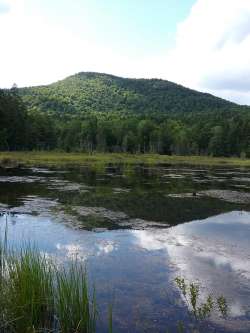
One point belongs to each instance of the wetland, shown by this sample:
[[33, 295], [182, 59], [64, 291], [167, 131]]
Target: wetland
[[136, 228]]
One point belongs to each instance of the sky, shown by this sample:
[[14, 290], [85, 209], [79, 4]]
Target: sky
[[201, 44]]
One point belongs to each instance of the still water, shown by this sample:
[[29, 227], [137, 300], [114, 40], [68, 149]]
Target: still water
[[137, 229]]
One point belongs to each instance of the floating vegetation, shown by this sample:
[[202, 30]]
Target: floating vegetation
[[116, 218], [229, 196], [225, 195]]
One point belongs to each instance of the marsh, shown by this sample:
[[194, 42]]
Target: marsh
[[135, 229]]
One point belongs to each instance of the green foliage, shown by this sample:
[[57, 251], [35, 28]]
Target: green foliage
[[201, 310], [222, 305], [92, 112], [103, 93], [12, 121]]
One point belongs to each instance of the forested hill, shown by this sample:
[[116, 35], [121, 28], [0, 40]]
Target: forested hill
[[91, 112], [96, 92]]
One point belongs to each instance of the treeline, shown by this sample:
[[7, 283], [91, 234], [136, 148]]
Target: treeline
[[217, 133]]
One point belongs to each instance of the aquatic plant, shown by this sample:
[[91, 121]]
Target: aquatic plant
[[200, 310], [75, 312], [26, 292], [37, 296]]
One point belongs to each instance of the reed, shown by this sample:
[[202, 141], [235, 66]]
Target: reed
[[37, 296], [27, 292], [75, 311]]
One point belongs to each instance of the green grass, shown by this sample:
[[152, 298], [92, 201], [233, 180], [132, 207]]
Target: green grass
[[100, 159], [37, 296], [27, 292], [72, 302]]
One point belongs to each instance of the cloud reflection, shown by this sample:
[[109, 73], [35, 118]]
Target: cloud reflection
[[83, 252], [200, 251]]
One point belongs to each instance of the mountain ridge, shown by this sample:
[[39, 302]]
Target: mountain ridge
[[101, 92]]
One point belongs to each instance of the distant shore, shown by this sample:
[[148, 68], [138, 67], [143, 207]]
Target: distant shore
[[60, 158]]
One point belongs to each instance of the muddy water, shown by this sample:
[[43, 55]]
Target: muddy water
[[136, 230]]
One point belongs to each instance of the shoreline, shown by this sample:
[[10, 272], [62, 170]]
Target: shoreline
[[60, 158]]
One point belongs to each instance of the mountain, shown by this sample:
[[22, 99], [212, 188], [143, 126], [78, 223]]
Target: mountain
[[97, 92], [90, 112]]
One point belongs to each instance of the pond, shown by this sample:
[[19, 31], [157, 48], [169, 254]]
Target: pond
[[136, 229]]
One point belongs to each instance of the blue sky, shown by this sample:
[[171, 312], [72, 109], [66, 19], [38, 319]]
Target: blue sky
[[141, 26], [202, 44]]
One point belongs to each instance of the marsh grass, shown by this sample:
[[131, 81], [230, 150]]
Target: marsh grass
[[27, 292], [75, 311], [37, 296], [98, 161]]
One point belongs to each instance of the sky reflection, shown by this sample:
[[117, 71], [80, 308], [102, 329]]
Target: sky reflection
[[219, 258], [139, 266]]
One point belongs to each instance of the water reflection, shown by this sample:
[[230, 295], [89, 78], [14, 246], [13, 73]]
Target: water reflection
[[137, 267], [214, 251]]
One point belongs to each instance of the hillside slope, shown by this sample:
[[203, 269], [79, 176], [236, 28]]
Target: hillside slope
[[96, 92]]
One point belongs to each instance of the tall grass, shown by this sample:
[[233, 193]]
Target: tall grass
[[27, 292], [37, 296], [75, 312]]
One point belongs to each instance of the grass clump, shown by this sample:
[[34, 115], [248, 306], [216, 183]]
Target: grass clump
[[75, 312], [26, 292], [37, 296]]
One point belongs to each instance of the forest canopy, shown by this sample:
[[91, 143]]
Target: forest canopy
[[98, 112]]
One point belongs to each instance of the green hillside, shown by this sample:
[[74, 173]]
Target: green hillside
[[96, 92], [91, 112]]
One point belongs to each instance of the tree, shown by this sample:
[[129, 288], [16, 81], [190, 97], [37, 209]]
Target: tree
[[216, 143], [145, 128]]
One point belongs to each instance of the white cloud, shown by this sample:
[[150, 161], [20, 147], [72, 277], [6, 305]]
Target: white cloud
[[212, 50], [36, 50]]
